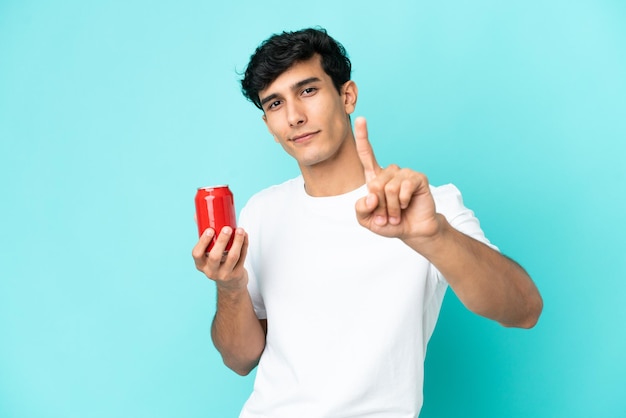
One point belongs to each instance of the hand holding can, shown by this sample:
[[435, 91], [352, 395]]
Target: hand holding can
[[215, 208]]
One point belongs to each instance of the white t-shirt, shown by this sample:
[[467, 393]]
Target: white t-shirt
[[349, 312]]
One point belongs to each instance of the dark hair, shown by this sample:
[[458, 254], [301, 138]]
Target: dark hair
[[279, 52]]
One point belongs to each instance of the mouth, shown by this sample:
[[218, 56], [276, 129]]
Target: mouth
[[303, 137]]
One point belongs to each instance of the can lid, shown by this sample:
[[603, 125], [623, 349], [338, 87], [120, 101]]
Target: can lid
[[220, 186]]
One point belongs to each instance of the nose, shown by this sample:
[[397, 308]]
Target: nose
[[295, 114]]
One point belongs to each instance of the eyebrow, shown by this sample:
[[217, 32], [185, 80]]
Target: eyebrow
[[296, 86]]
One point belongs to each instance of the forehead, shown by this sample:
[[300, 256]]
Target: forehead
[[299, 71]]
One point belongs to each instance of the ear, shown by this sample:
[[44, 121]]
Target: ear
[[349, 93], [268, 128]]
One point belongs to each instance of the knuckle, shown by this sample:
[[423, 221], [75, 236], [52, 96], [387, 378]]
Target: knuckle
[[213, 257], [421, 177], [196, 254], [375, 184], [392, 188], [233, 257], [407, 186], [210, 273]]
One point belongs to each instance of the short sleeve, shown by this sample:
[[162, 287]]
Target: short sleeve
[[247, 222], [449, 202]]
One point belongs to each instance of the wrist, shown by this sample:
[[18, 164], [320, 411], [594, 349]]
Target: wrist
[[233, 287], [434, 240]]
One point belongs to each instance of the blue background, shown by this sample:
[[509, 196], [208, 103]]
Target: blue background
[[112, 113]]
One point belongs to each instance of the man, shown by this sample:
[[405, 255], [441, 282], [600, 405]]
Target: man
[[334, 280]]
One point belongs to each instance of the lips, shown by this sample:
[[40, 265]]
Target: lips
[[303, 137]]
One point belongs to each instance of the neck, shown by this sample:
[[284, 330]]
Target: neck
[[335, 176]]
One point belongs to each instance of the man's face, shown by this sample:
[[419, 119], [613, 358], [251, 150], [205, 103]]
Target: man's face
[[307, 116]]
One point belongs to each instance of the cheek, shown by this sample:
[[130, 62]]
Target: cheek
[[340, 123], [335, 114], [272, 128]]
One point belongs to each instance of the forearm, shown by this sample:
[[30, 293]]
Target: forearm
[[487, 282], [236, 331]]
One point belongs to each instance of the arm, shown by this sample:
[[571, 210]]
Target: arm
[[237, 333], [487, 282], [399, 204]]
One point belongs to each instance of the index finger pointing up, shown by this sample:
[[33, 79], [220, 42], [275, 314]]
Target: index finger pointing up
[[364, 149]]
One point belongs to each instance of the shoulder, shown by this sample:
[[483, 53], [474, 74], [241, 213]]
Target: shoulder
[[446, 197], [269, 201], [275, 193], [449, 202]]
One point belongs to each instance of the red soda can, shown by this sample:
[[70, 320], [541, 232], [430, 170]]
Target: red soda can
[[215, 208]]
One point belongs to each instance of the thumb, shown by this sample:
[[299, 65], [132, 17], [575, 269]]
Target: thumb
[[365, 206]]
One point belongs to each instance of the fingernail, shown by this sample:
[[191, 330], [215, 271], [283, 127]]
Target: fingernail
[[394, 220], [227, 230], [208, 232], [380, 220], [370, 200]]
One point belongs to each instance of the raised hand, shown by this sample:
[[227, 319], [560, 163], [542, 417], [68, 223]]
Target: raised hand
[[399, 203]]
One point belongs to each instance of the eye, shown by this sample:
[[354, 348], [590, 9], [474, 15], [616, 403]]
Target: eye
[[273, 104], [309, 91]]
